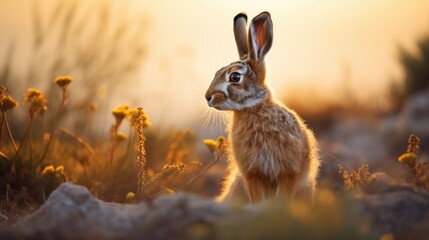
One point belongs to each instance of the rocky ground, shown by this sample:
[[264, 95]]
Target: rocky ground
[[71, 212]]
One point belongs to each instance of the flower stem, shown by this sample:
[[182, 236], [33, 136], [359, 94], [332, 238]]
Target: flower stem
[[26, 134], [210, 165], [8, 130], [113, 142], [54, 125]]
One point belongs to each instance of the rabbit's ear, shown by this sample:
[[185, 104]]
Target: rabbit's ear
[[240, 34], [260, 36]]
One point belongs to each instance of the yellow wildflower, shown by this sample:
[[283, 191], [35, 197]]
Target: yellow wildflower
[[59, 169], [169, 191], [120, 112], [132, 117], [60, 174], [36, 101], [408, 158], [31, 93], [130, 196], [218, 145], [8, 102], [63, 81], [48, 170], [211, 144]]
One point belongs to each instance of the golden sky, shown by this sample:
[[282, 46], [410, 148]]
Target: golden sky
[[316, 43]]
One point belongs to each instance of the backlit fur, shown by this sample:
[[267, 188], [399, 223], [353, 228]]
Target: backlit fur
[[273, 151]]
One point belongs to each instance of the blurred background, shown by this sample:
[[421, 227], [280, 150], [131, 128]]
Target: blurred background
[[357, 71], [327, 50]]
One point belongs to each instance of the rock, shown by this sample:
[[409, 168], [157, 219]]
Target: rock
[[399, 209], [71, 212]]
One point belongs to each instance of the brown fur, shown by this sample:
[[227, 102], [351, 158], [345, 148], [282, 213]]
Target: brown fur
[[273, 151]]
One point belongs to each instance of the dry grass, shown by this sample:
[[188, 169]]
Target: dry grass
[[115, 169], [363, 180]]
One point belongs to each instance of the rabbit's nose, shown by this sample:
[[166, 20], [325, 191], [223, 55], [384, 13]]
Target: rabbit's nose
[[208, 98]]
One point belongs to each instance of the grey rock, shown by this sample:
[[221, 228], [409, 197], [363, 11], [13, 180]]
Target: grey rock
[[71, 212], [398, 208]]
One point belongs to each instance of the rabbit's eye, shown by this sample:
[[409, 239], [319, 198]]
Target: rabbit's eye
[[234, 77]]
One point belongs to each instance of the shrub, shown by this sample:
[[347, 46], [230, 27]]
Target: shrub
[[415, 67]]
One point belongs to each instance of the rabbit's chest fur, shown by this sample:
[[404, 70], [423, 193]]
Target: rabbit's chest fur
[[269, 139]]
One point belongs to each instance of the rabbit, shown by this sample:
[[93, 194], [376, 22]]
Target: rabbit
[[273, 152]]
